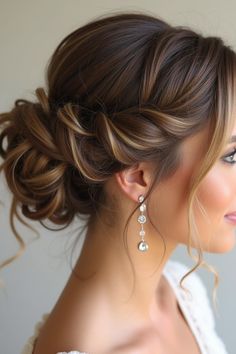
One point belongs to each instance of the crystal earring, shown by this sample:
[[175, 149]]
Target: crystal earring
[[142, 245]]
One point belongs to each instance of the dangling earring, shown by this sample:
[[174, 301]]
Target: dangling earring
[[142, 245]]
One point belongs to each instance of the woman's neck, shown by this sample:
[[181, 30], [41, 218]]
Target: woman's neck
[[104, 265], [98, 296]]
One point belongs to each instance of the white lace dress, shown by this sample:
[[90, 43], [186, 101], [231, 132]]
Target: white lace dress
[[196, 309]]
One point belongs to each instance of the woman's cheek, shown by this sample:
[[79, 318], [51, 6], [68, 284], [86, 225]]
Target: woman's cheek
[[214, 194]]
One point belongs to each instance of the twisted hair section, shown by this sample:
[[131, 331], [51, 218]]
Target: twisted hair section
[[120, 89]]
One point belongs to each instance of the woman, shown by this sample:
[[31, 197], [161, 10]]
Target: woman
[[133, 134]]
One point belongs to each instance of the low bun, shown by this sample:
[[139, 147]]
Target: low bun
[[33, 166], [48, 160]]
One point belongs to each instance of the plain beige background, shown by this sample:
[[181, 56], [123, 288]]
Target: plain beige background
[[29, 32]]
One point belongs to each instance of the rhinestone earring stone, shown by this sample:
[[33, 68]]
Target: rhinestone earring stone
[[142, 245]]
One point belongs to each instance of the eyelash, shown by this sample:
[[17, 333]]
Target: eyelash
[[230, 155]]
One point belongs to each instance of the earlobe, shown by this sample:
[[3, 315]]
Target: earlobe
[[133, 181]]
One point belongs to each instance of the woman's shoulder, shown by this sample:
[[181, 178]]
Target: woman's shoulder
[[29, 345]]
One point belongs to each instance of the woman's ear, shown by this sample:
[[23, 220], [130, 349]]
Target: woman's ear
[[135, 180]]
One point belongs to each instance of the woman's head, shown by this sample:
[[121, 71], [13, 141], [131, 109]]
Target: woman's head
[[121, 90]]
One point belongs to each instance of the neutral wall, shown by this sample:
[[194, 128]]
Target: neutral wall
[[29, 31]]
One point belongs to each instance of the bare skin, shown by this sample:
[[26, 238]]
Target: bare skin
[[101, 314]]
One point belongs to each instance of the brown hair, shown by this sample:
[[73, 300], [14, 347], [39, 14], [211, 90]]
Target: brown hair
[[121, 89]]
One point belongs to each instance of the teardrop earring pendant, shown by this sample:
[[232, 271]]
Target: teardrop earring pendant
[[142, 245]]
